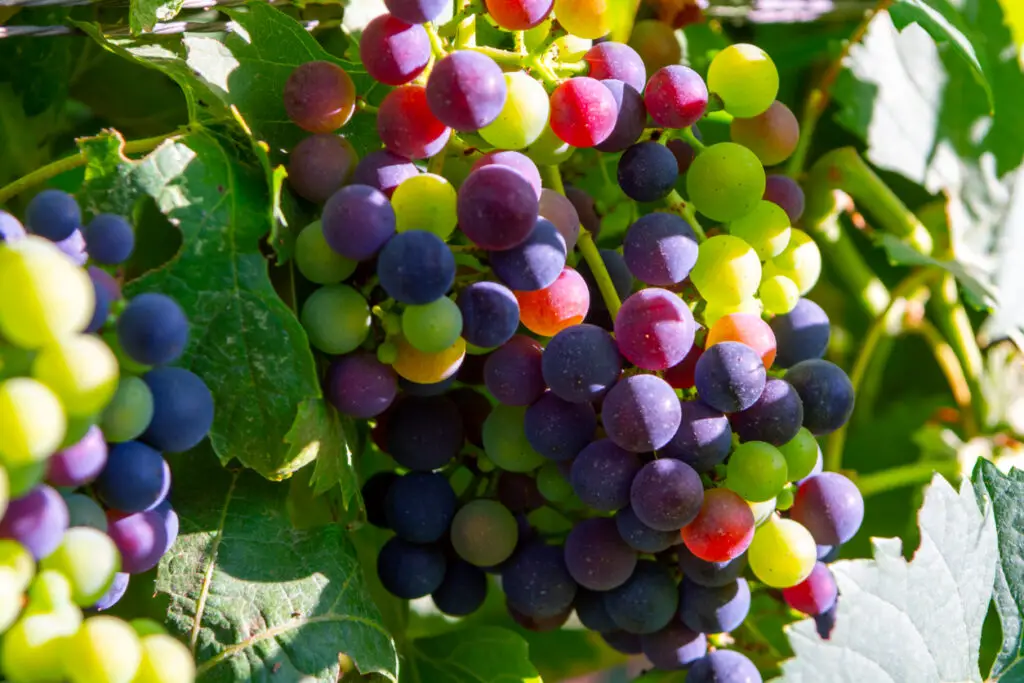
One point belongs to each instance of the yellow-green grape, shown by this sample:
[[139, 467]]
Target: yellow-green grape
[[714, 310], [549, 149], [54, 297], [567, 48], [336, 318], [800, 261], [104, 650], [552, 485], [387, 353], [34, 649], [725, 181], [32, 422], [432, 327], [762, 511], [801, 453], [165, 660], [428, 368], [50, 590], [130, 411], [88, 559], [316, 261], [585, 18], [778, 293], [727, 270], [782, 553], [81, 370], [505, 441], [746, 79], [785, 499], [425, 202], [16, 558], [765, 228], [756, 471], [524, 115], [10, 598]]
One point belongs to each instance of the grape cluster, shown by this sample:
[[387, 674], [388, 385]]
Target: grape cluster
[[659, 402], [88, 405]]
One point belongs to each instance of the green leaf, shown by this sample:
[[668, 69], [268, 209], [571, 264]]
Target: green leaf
[[143, 15], [916, 621], [331, 439], [256, 598], [974, 281], [1006, 493], [478, 654], [246, 343]]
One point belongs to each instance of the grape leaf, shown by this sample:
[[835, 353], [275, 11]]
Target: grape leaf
[[916, 622], [478, 654], [246, 343], [143, 15], [257, 599]]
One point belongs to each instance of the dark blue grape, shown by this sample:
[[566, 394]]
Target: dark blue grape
[[826, 392], [704, 437], [710, 574], [519, 493], [621, 641], [826, 621], [631, 119], [513, 372], [581, 363], [110, 239], [729, 376], [714, 610], [474, 408], [557, 429], [358, 221], [641, 537], [539, 624], [74, 248], [424, 433], [602, 475], [775, 417], [646, 602], [596, 556], [801, 334], [11, 229], [463, 590], [723, 666], [591, 611], [182, 410], [641, 413], [383, 170], [674, 647], [534, 264], [420, 507], [619, 273], [375, 492], [666, 494], [136, 478], [416, 267], [53, 214], [660, 249], [117, 589], [537, 582], [409, 570], [647, 171], [153, 330], [490, 314]]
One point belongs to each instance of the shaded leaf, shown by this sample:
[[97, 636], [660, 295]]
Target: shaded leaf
[[331, 439], [982, 293], [143, 15], [480, 654]]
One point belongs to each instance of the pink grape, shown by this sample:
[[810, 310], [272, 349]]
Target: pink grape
[[722, 530], [654, 329], [393, 51], [407, 126], [676, 97], [583, 112]]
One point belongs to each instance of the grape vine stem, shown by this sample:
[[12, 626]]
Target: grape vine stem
[[913, 474], [677, 205]]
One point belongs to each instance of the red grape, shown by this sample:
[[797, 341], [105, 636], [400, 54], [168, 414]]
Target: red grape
[[748, 329], [583, 112], [406, 125], [393, 51], [722, 530], [617, 61], [680, 376], [319, 97], [676, 97], [552, 309], [771, 135], [814, 595], [519, 15]]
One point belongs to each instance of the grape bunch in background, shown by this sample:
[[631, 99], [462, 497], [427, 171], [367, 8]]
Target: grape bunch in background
[[89, 405], [627, 434]]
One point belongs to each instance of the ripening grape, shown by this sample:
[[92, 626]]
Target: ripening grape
[[756, 471], [104, 650], [801, 453], [674, 647], [466, 90], [410, 570], [583, 112], [164, 660], [646, 602], [406, 125], [654, 329], [35, 646], [801, 334], [425, 202], [585, 18], [774, 418], [110, 239], [747, 329], [596, 556], [32, 422], [563, 304], [79, 463], [630, 119], [361, 386], [826, 392], [319, 165], [704, 437], [490, 314], [524, 115], [666, 494], [727, 270], [730, 376], [88, 559], [535, 263], [714, 610], [336, 318], [497, 207], [641, 413], [746, 79], [762, 511], [552, 484], [81, 370], [715, 311], [518, 15], [602, 474], [816, 594], [319, 97], [830, 506], [428, 368], [463, 590], [778, 293], [513, 372], [182, 409], [315, 259], [129, 412], [722, 530], [785, 192], [783, 553], [766, 229], [611, 60], [392, 51], [723, 666], [725, 181], [676, 96], [536, 581], [432, 327], [505, 440], [800, 261], [772, 135], [559, 210], [383, 171], [655, 41], [567, 48]]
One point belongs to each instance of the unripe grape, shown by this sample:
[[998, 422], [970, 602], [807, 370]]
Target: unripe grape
[[524, 115], [727, 270], [772, 135], [800, 261], [766, 229], [783, 553], [746, 79], [778, 293], [725, 181]]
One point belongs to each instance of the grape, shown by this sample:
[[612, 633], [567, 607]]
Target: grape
[[566, 47], [424, 434], [420, 507], [535, 263], [772, 135], [428, 368], [463, 590], [409, 570], [714, 610], [585, 18], [762, 511], [630, 118], [104, 650], [505, 441], [830, 507], [315, 259], [602, 474], [680, 376], [518, 15], [774, 418], [641, 537], [319, 165], [590, 611], [153, 330], [466, 90], [432, 327], [36, 520], [684, 154], [88, 559], [474, 407], [647, 171], [714, 310], [34, 648], [374, 493], [784, 191], [548, 149], [597, 557], [730, 376], [704, 437], [553, 309], [666, 494], [182, 410], [23, 478], [727, 270], [425, 202], [620, 641], [520, 494], [817, 593], [656, 43], [711, 574], [617, 61], [497, 207], [800, 261], [826, 392], [765, 228], [164, 660], [406, 125], [826, 621], [10, 599], [558, 429], [747, 329], [53, 214], [537, 582], [641, 413], [513, 372], [135, 478], [779, 294], [539, 625], [74, 248], [117, 590], [559, 210], [620, 276], [783, 553], [361, 386], [79, 464], [425, 390], [392, 51], [552, 485], [676, 97], [416, 267], [583, 111], [674, 647], [81, 370], [784, 500], [646, 602], [723, 666], [756, 471], [32, 422], [55, 297], [358, 221], [524, 115], [490, 314], [11, 229], [725, 181], [654, 329], [110, 239], [802, 334], [518, 162], [85, 512], [586, 208], [801, 453], [383, 171], [722, 530], [105, 292], [319, 97], [746, 79], [416, 11]]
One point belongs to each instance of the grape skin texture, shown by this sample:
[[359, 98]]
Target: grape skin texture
[[714, 610], [409, 570], [725, 181], [666, 494], [583, 112], [596, 556], [602, 474], [611, 60], [816, 595], [319, 165], [536, 581], [393, 51], [416, 267], [830, 506], [36, 520], [641, 537], [420, 506], [802, 334], [463, 590], [730, 377], [558, 429], [183, 410], [647, 171], [466, 90], [766, 228], [660, 249], [490, 314], [357, 221], [319, 97], [674, 647], [361, 386], [745, 328], [484, 533], [676, 96], [336, 318], [775, 417], [427, 368], [723, 666], [711, 574], [704, 437], [513, 372], [654, 329], [581, 363], [135, 479], [756, 471], [646, 602], [641, 413], [722, 530], [424, 433], [826, 392], [406, 125], [534, 264], [630, 118], [497, 207], [432, 327], [746, 79]]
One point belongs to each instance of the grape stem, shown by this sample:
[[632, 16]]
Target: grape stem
[[914, 474], [687, 134], [679, 206], [952, 319], [436, 44]]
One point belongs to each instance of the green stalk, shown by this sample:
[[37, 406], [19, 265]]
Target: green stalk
[[914, 474], [950, 365], [679, 206], [687, 134], [952, 319]]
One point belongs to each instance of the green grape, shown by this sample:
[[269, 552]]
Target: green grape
[[782, 553], [128, 366], [762, 511], [746, 79], [778, 293], [15, 361], [549, 149], [552, 485], [32, 422], [33, 649], [725, 181], [727, 270], [165, 660], [432, 327], [484, 532], [425, 202], [505, 440], [24, 478], [765, 228], [88, 559], [800, 261], [801, 454], [83, 511], [104, 650], [316, 261], [81, 370], [50, 590], [15, 558], [715, 310], [756, 470], [78, 426], [524, 115], [336, 318], [54, 298], [130, 411], [10, 598], [147, 627], [785, 499], [387, 353]]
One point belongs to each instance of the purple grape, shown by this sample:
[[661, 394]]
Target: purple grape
[[775, 417], [374, 492], [537, 582], [79, 464], [517, 161], [674, 647], [660, 249], [710, 574], [463, 590], [393, 51], [358, 221], [826, 392], [641, 413], [618, 61], [533, 264], [560, 211], [704, 437], [134, 479], [513, 372], [490, 314], [36, 520], [619, 273], [666, 494], [519, 493], [474, 408], [581, 363], [602, 474], [654, 329], [74, 247], [11, 229], [109, 239], [384, 171], [714, 610], [591, 612], [466, 90], [641, 537], [723, 666], [646, 602], [53, 214], [497, 207], [117, 589], [586, 208], [360, 385], [787, 193], [320, 165], [730, 376], [596, 556], [420, 506], [647, 171], [416, 267], [141, 538], [182, 410], [416, 11], [684, 153], [153, 329], [802, 334], [424, 433], [630, 120], [814, 595], [830, 506], [557, 429], [829, 553], [409, 570], [826, 621]]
